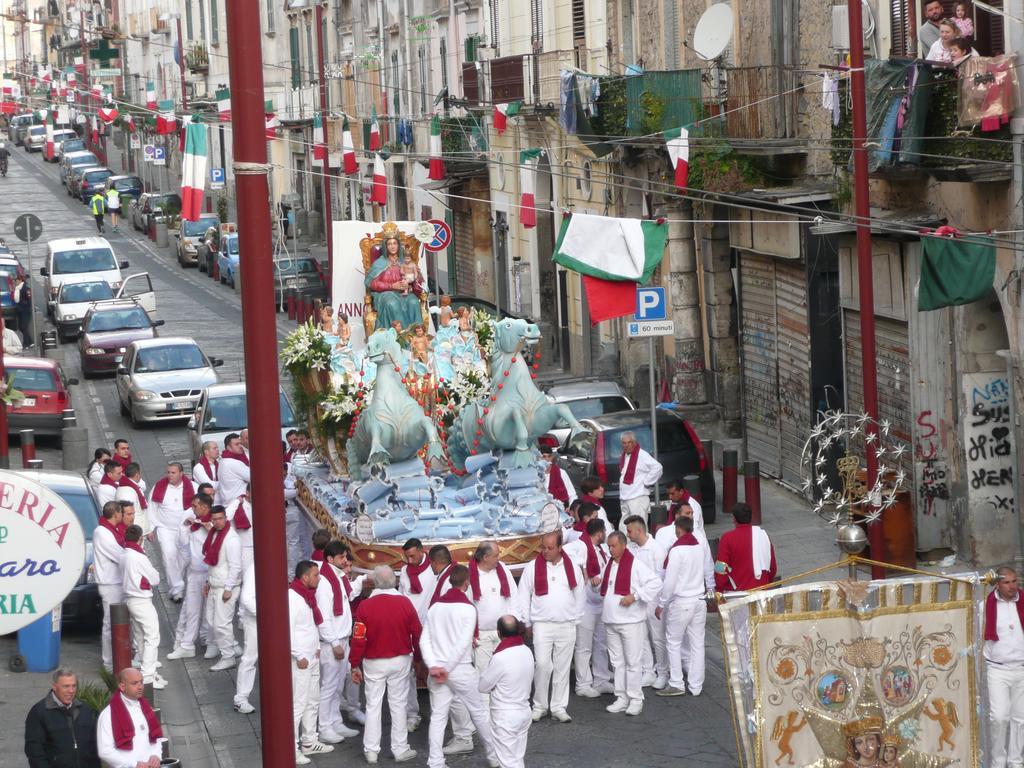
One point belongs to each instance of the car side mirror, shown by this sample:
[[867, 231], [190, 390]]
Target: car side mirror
[[158, 323], [122, 370], [72, 382], [123, 265], [192, 423], [44, 271], [216, 362]]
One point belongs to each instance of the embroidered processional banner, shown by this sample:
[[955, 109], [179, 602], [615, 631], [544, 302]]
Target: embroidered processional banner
[[873, 674]]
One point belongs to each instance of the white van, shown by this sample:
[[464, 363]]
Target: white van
[[79, 260]]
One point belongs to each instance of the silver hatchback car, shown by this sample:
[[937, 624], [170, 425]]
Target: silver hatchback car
[[163, 378]]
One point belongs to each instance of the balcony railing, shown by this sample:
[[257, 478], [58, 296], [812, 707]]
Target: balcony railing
[[197, 59], [464, 144], [756, 103], [532, 78]]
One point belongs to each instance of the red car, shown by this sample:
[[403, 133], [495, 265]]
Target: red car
[[45, 388]]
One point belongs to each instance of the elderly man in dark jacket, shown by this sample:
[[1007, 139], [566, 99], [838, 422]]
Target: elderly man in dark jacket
[[60, 730]]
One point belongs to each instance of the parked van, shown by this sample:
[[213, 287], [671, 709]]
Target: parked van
[[79, 260]]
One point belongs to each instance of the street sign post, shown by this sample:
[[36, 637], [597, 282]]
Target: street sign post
[[216, 178], [159, 155], [650, 320]]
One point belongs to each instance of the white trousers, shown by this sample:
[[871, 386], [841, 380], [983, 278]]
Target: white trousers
[[509, 729], [146, 631], [412, 701], [553, 646], [482, 652], [305, 700], [685, 619], [349, 691], [655, 653], [192, 619], [109, 594], [390, 676], [463, 686], [332, 675], [590, 656], [625, 650], [220, 615], [174, 566], [250, 655], [641, 506], [1005, 715]]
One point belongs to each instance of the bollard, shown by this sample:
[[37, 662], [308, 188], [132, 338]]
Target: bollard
[[34, 464], [730, 474], [752, 489], [28, 446], [290, 297], [692, 485], [69, 418], [75, 447], [658, 517], [120, 637], [300, 310]]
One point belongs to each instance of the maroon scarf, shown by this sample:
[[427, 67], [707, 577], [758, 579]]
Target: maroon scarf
[[309, 596], [124, 728], [540, 574], [113, 529], [556, 486], [509, 642], [214, 541], [241, 520], [196, 526], [318, 556], [474, 580], [442, 578], [630, 469], [211, 469], [586, 497], [108, 481], [593, 563], [126, 483], [136, 547], [327, 571], [236, 456], [675, 505], [623, 577], [188, 491], [686, 540], [581, 526], [990, 615], [124, 462], [413, 573], [454, 595]]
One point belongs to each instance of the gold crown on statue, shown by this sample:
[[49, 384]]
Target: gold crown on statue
[[891, 740], [390, 229], [871, 724]]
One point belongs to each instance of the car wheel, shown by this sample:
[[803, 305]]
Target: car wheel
[[120, 402], [133, 419]]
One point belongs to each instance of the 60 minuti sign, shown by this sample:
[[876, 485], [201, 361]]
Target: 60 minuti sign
[[42, 551]]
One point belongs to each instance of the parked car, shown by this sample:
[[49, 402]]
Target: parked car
[[71, 160], [107, 330], [597, 452], [21, 132], [128, 187], [35, 139], [221, 411], [586, 400], [188, 236], [228, 259], [67, 146], [10, 268], [169, 203], [46, 395], [163, 378], [93, 180], [82, 606], [79, 260], [72, 302], [301, 273], [59, 137], [18, 122], [75, 176]]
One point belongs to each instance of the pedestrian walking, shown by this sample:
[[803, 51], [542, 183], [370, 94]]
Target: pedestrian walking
[[191, 619], [113, 200], [107, 563], [60, 730], [746, 557], [1004, 666], [246, 678], [639, 472], [222, 553], [304, 619], [98, 206], [386, 632], [23, 310], [140, 577], [506, 681], [128, 732]]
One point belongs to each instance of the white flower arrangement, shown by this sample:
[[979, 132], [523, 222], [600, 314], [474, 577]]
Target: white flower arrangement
[[306, 349], [483, 326]]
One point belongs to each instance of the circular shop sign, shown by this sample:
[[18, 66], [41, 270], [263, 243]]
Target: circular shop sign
[[42, 551]]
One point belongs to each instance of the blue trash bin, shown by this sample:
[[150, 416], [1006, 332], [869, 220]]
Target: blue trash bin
[[39, 642]]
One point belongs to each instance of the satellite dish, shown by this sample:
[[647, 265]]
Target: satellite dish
[[713, 32]]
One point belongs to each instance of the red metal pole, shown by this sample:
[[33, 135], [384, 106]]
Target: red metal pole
[[324, 106], [5, 460], [181, 67], [28, 446], [259, 323], [862, 210]]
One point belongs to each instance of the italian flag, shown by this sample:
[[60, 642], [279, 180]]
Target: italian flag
[[49, 135], [319, 147], [375, 143], [193, 172], [150, 95], [130, 126], [108, 113], [166, 122], [224, 105], [379, 194], [348, 150], [95, 136], [9, 105], [436, 160], [502, 112], [527, 186], [677, 141], [271, 119]]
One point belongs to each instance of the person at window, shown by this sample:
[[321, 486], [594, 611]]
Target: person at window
[[962, 19], [942, 49], [928, 33]]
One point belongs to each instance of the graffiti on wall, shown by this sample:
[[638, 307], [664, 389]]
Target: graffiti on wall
[[987, 446], [932, 467]]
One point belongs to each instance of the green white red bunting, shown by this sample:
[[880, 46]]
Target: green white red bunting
[[502, 112], [348, 150], [49, 134], [271, 119], [436, 159], [379, 194], [166, 122], [224, 105], [319, 145], [193, 172], [375, 142], [527, 186], [677, 141], [150, 95], [108, 113]]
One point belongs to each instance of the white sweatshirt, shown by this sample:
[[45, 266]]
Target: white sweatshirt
[[247, 599], [651, 554], [643, 585], [200, 475], [509, 678], [666, 543], [648, 472], [107, 556], [686, 577], [334, 629], [234, 476], [492, 606], [169, 513], [577, 550], [227, 573], [447, 639], [305, 640], [421, 601], [561, 603], [141, 750], [136, 568]]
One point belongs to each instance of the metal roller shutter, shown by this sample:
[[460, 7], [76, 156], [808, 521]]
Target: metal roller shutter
[[760, 362], [794, 367]]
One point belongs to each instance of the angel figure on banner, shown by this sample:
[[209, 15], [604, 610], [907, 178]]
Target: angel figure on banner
[[944, 713], [782, 733]]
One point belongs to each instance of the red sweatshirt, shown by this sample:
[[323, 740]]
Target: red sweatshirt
[[386, 626], [736, 551]]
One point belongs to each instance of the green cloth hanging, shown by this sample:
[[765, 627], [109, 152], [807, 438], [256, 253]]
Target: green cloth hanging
[[955, 271]]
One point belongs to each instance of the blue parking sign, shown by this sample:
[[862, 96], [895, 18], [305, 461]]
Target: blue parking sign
[[650, 304]]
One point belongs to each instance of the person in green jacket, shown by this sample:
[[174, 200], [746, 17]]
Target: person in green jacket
[[98, 205]]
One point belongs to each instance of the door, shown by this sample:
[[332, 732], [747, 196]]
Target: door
[[139, 288]]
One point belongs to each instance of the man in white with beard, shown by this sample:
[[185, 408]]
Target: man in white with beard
[[507, 682], [170, 504]]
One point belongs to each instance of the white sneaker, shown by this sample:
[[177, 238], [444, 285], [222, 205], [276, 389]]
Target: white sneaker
[[159, 664], [244, 707], [409, 754], [316, 748], [211, 652], [158, 683], [648, 680], [225, 663], [587, 693], [537, 714], [561, 716], [412, 723], [371, 757], [358, 715], [344, 731], [457, 747], [604, 688], [301, 759], [660, 682], [619, 705], [330, 736], [635, 708], [181, 653]]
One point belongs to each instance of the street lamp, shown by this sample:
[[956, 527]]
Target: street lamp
[[181, 56]]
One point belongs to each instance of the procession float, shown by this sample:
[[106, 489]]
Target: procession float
[[427, 430]]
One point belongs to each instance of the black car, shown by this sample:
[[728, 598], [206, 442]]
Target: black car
[[128, 187], [598, 450]]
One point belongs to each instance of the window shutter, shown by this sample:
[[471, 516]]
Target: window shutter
[[214, 22], [293, 43], [898, 21], [188, 20]]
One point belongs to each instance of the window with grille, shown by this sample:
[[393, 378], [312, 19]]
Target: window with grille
[[494, 10], [270, 17], [293, 44], [214, 23], [579, 23]]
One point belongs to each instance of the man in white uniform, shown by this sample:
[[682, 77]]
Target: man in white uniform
[[416, 581], [240, 516], [250, 653], [550, 600], [233, 473], [107, 560], [222, 552], [492, 589], [107, 489], [140, 577], [446, 646], [647, 550], [128, 733], [192, 618], [169, 504], [304, 619], [639, 472], [1004, 666], [206, 469], [590, 656], [507, 682]]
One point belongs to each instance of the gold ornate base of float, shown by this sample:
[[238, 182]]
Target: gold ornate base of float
[[515, 550]]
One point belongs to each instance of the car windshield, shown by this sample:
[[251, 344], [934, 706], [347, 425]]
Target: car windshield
[[82, 502], [672, 436], [72, 145], [127, 185], [117, 320], [296, 267], [63, 136], [233, 246], [83, 260], [179, 357], [89, 159], [32, 379], [598, 406], [7, 274], [227, 414], [93, 176], [81, 292], [196, 228]]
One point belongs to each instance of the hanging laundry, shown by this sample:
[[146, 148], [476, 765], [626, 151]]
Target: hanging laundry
[[567, 92], [988, 91]]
